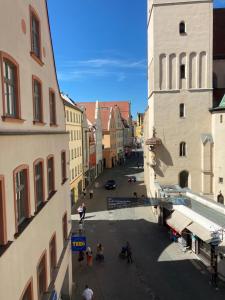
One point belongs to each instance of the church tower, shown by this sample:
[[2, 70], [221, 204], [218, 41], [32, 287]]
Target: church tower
[[179, 95]]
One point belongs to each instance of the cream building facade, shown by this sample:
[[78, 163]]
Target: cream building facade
[[183, 131], [35, 255], [74, 117]]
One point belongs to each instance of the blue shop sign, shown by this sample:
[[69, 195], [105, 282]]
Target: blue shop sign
[[53, 295], [78, 243]]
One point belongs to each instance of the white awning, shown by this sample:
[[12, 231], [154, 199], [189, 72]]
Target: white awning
[[178, 221], [198, 230]]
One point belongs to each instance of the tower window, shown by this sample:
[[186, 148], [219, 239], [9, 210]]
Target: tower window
[[182, 28], [183, 149], [182, 110], [182, 72]]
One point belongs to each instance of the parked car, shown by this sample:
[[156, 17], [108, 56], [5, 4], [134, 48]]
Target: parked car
[[132, 179], [110, 184]]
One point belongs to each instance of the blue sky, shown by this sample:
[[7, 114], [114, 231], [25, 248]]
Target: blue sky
[[100, 49]]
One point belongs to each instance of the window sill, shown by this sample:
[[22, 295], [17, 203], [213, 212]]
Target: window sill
[[12, 119], [39, 208], [53, 125], [51, 195], [64, 180], [22, 227], [39, 123], [3, 248], [37, 59]]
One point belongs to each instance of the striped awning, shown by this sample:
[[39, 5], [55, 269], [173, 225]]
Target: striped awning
[[178, 221]]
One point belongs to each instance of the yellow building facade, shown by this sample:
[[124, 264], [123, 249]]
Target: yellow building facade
[[73, 116]]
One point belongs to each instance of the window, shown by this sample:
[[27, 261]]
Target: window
[[3, 234], [221, 118], [52, 254], [75, 171], [42, 276], [28, 291], [75, 151], [65, 229], [50, 172], [220, 179], [182, 149], [67, 116], [22, 207], [72, 173], [35, 34], [215, 81], [39, 182], [37, 100], [63, 165], [182, 71], [52, 106], [182, 112], [182, 28], [10, 74]]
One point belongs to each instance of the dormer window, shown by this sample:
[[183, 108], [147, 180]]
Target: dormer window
[[182, 28]]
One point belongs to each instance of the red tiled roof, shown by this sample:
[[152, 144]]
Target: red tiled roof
[[219, 32], [89, 109], [124, 107]]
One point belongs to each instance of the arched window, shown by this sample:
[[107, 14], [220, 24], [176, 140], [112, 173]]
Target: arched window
[[182, 72], [183, 179], [182, 110], [182, 28], [220, 198], [183, 149]]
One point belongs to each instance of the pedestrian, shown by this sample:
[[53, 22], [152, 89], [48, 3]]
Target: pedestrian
[[91, 193], [87, 293], [135, 194], [81, 227], [213, 279], [84, 192], [89, 256], [129, 253], [84, 210], [80, 257], [99, 255], [80, 211]]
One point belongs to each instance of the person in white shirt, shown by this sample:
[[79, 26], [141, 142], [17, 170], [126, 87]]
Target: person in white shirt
[[87, 293]]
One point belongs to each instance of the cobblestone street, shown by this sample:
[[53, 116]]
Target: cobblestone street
[[160, 269]]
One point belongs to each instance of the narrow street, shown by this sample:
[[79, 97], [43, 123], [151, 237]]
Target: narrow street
[[160, 269]]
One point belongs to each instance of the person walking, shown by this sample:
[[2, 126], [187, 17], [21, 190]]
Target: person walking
[[81, 227], [80, 211], [91, 193], [129, 253], [99, 255], [80, 257], [89, 256], [84, 210], [84, 193], [87, 293]]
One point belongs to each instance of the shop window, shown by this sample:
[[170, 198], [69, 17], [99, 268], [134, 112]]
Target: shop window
[[42, 277], [63, 165], [22, 201], [53, 256], [37, 100], [51, 175], [39, 182], [65, 228], [11, 97], [3, 233], [52, 108]]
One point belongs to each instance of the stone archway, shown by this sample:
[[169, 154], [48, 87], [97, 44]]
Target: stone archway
[[183, 179]]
